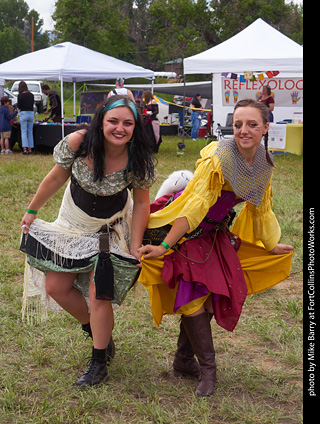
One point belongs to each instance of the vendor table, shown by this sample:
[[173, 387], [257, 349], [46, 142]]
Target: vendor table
[[46, 135], [293, 139], [167, 129]]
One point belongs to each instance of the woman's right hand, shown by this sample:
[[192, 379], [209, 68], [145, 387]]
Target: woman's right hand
[[27, 220]]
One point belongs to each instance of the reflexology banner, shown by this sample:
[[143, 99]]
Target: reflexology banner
[[285, 91]]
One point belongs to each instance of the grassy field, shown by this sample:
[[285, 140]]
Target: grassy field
[[259, 364]]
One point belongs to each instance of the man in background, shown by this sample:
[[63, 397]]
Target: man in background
[[55, 104], [120, 90]]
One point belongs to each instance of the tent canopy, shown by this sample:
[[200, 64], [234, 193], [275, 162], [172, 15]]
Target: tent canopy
[[259, 47], [69, 62], [190, 89]]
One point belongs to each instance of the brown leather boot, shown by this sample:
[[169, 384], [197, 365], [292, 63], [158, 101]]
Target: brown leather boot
[[198, 330], [185, 364]]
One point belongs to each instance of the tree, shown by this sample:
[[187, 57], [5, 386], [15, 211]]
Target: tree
[[235, 15], [13, 13], [12, 44], [152, 32], [180, 28], [97, 24], [15, 29]]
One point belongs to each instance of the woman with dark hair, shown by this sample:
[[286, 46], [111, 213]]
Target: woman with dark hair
[[91, 250], [151, 121], [267, 99], [196, 115], [25, 104], [201, 269]]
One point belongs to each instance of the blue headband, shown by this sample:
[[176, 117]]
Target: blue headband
[[121, 102]]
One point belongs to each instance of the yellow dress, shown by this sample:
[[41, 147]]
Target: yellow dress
[[256, 226]]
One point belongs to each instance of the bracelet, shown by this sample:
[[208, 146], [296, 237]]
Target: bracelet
[[165, 245], [32, 211]]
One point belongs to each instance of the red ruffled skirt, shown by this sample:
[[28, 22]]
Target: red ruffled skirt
[[208, 264]]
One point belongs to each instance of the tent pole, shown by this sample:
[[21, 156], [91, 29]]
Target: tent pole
[[74, 99], [62, 111], [184, 105], [152, 82], [211, 105]]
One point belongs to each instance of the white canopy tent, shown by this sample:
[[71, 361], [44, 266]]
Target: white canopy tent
[[69, 62], [258, 48], [1, 86]]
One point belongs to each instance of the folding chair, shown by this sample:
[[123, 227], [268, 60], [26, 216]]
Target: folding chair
[[227, 129]]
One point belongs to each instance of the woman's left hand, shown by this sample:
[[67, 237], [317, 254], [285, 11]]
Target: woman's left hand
[[150, 251], [282, 249]]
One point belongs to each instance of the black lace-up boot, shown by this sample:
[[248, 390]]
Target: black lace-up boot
[[97, 371], [111, 349]]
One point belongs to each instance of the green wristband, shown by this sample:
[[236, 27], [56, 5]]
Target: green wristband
[[165, 245], [32, 211]]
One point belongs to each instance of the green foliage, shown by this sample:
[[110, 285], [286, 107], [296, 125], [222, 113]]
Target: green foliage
[[12, 44], [16, 29], [96, 24], [150, 33], [13, 13], [178, 25], [235, 15]]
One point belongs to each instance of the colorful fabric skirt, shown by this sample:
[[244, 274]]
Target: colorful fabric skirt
[[71, 244], [181, 281]]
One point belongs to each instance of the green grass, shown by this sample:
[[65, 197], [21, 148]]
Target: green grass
[[259, 364]]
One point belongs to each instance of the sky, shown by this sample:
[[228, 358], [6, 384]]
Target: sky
[[45, 9]]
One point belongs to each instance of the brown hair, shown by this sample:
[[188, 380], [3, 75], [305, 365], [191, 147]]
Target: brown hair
[[4, 100], [22, 87], [147, 96], [264, 112], [268, 89]]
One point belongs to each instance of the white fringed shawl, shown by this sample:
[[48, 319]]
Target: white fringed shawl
[[73, 235]]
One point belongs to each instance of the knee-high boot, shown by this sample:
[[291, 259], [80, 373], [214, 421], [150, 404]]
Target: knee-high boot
[[185, 364], [198, 330]]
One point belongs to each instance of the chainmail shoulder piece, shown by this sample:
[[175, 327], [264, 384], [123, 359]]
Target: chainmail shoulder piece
[[248, 182]]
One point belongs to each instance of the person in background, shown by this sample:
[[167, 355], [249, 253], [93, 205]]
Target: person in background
[[97, 215], [151, 110], [5, 125], [196, 115], [55, 104], [121, 90], [201, 269], [267, 99], [26, 104]]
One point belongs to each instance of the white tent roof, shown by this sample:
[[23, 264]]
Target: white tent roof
[[204, 88], [259, 47], [69, 62]]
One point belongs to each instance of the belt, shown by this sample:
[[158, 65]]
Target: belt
[[97, 206]]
